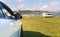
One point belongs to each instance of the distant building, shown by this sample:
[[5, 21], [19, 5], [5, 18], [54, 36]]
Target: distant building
[[47, 15]]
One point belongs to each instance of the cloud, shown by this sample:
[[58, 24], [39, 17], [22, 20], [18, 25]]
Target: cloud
[[1, 0], [6, 0], [11, 0], [18, 0], [21, 6], [44, 7], [31, 8], [27, 9], [54, 3]]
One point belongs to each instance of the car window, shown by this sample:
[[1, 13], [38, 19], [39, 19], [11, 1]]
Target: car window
[[7, 14], [1, 15], [4, 13]]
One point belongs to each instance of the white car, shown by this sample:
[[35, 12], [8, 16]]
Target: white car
[[10, 26]]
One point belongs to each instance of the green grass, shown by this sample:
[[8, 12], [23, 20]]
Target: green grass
[[37, 26]]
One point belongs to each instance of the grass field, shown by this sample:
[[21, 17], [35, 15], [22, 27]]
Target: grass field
[[37, 26]]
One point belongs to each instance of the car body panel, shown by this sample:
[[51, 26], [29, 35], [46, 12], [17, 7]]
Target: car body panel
[[10, 28]]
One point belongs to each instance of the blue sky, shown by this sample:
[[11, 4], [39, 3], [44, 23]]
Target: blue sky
[[46, 5]]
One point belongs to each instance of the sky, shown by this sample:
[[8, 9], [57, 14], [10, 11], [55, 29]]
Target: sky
[[45, 5]]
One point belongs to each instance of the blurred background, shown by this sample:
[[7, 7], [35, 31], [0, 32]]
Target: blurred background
[[41, 18]]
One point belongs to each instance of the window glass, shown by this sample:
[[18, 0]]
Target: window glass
[[1, 15]]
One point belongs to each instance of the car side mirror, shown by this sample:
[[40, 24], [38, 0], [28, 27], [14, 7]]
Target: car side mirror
[[18, 16]]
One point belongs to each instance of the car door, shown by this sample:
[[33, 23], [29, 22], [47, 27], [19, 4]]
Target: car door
[[8, 27]]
